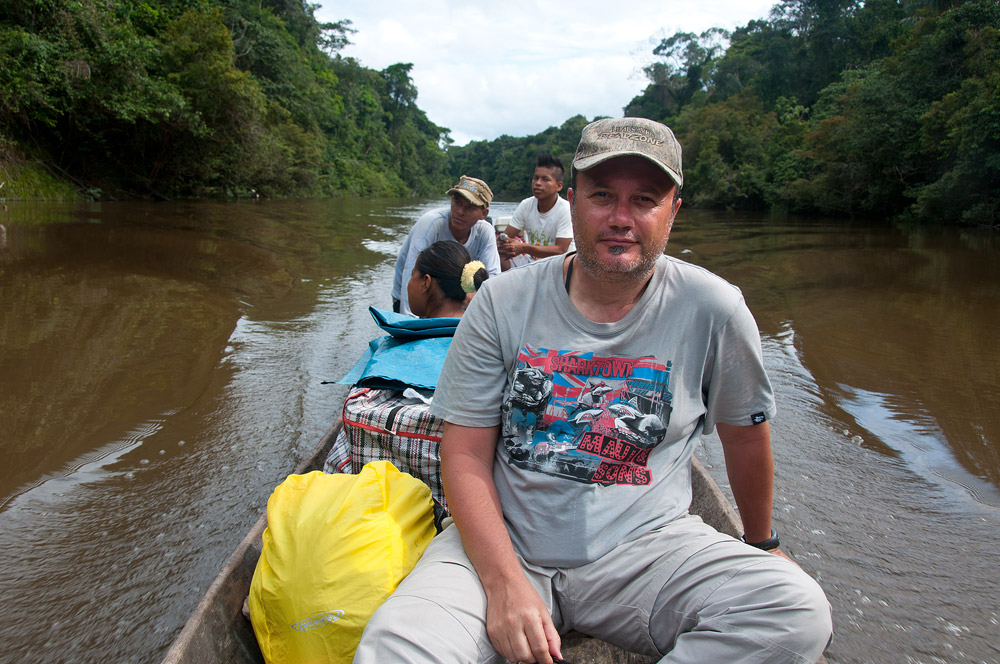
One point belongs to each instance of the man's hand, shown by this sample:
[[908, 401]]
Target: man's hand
[[781, 554], [519, 624], [510, 247]]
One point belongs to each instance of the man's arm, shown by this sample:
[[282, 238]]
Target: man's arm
[[537, 251], [420, 236], [397, 278], [750, 468], [409, 261], [488, 253], [503, 247], [517, 621]]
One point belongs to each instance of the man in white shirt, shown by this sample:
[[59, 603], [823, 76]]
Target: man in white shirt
[[541, 225], [464, 221]]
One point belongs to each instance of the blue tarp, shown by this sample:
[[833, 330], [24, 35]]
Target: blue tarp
[[411, 355], [401, 326]]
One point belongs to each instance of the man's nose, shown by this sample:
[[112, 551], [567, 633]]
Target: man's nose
[[621, 215]]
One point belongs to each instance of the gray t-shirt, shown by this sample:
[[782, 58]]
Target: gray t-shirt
[[430, 228], [599, 420]]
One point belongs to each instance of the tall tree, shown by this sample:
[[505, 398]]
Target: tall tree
[[683, 72]]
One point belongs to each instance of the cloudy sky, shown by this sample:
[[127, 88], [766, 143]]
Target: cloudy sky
[[517, 67]]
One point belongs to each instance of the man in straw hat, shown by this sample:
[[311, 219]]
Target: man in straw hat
[[463, 221], [571, 510]]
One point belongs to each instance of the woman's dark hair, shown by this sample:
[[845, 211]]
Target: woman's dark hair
[[444, 261]]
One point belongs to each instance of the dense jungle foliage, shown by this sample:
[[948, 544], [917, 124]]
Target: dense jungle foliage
[[169, 98], [880, 108], [888, 108]]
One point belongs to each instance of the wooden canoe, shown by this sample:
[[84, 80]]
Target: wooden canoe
[[218, 633]]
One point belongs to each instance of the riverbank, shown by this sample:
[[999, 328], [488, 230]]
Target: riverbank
[[23, 178]]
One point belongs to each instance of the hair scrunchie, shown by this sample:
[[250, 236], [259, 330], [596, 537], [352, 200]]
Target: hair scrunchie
[[469, 274]]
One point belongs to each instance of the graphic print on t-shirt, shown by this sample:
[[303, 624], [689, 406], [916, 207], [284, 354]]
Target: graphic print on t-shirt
[[536, 236], [590, 419]]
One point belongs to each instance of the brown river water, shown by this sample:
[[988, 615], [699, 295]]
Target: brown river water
[[163, 366]]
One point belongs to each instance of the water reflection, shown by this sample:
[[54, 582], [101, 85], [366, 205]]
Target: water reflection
[[899, 428], [161, 370], [86, 353], [883, 311]]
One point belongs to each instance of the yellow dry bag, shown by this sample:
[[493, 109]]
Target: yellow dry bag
[[335, 548]]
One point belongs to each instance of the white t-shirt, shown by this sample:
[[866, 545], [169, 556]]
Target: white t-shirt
[[541, 229], [430, 228], [598, 421]]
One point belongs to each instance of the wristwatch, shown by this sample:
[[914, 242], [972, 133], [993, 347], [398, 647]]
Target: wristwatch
[[771, 542]]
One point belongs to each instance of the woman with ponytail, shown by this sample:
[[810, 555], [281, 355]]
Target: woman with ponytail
[[443, 280]]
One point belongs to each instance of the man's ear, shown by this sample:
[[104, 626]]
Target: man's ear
[[570, 194]]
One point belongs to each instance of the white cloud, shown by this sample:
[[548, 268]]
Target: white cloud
[[521, 66]]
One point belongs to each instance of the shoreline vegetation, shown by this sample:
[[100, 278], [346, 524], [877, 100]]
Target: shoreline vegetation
[[882, 108]]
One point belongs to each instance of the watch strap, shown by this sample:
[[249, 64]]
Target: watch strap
[[770, 543]]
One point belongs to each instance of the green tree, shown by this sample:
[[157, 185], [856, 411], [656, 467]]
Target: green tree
[[728, 150], [917, 134], [960, 131], [683, 73], [506, 163]]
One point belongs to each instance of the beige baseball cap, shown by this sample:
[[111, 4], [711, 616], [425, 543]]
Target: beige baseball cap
[[616, 137], [474, 189]]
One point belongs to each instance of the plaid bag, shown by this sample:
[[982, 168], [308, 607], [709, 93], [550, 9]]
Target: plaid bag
[[382, 424]]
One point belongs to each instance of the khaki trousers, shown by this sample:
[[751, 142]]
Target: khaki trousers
[[684, 592]]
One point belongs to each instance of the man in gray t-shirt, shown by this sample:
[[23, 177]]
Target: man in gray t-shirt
[[573, 396], [596, 416]]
